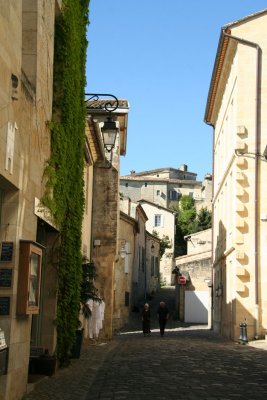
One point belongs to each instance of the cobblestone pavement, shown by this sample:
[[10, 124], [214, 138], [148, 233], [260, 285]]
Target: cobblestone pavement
[[188, 363]]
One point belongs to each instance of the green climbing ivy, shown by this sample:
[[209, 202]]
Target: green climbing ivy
[[64, 194]]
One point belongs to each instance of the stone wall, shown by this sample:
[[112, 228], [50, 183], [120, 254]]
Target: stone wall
[[240, 194], [105, 231], [198, 268], [198, 271], [26, 79], [123, 272]]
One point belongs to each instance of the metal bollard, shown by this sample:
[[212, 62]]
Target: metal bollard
[[241, 333], [243, 339], [245, 336]]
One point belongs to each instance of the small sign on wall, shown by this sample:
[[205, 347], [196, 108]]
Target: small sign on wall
[[5, 277], [182, 280], [6, 251], [4, 305]]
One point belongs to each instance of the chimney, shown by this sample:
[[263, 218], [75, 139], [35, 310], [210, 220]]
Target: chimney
[[183, 167]]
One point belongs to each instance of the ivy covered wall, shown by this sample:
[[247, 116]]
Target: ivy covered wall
[[64, 172]]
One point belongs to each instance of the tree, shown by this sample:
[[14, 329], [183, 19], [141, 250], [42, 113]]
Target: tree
[[187, 215], [203, 219], [188, 221], [164, 244]]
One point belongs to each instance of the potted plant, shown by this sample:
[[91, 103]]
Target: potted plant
[[43, 363]]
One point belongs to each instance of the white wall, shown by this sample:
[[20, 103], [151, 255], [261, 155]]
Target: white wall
[[196, 306]]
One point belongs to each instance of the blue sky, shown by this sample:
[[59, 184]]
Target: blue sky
[[159, 55]]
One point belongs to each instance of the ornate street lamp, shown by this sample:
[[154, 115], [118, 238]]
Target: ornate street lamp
[[109, 129], [109, 133]]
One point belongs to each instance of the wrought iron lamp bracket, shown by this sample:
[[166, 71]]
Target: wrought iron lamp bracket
[[110, 104]]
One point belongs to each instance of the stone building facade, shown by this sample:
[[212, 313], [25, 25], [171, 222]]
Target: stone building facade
[[105, 222], [146, 270], [123, 273], [157, 190], [235, 109], [139, 267], [152, 264], [135, 278], [161, 186], [162, 221], [165, 186], [29, 241], [26, 84]]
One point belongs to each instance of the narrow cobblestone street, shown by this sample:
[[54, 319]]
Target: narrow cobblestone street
[[188, 363]]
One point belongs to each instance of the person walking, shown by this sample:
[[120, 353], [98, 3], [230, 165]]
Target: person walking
[[163, 315], [146, 320]]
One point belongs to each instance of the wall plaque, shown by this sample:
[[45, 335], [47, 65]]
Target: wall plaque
[[6, 251], [4, 305], [5, 277]]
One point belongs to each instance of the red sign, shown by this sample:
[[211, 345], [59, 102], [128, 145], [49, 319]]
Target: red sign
[[182, 280]]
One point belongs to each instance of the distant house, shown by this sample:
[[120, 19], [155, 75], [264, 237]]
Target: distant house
[[152, 264], [139, 250], [157, 190], [123, 273], [162, 221], [165, 186]]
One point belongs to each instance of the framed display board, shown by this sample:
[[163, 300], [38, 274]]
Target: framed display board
[[4, 305], [6, 251], [5, 277]]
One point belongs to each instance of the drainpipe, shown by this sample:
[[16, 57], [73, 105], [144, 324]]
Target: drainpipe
[[257, 153], [212, 230], [145, 271]]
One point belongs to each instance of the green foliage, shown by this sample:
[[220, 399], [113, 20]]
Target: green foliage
[[188, 221], [162, 281], [204, 219], [180, 245], [64, 171], [187, 215], [187, 203], [164, 243]]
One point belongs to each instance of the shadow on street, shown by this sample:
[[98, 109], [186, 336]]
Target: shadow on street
[[173, 326]]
